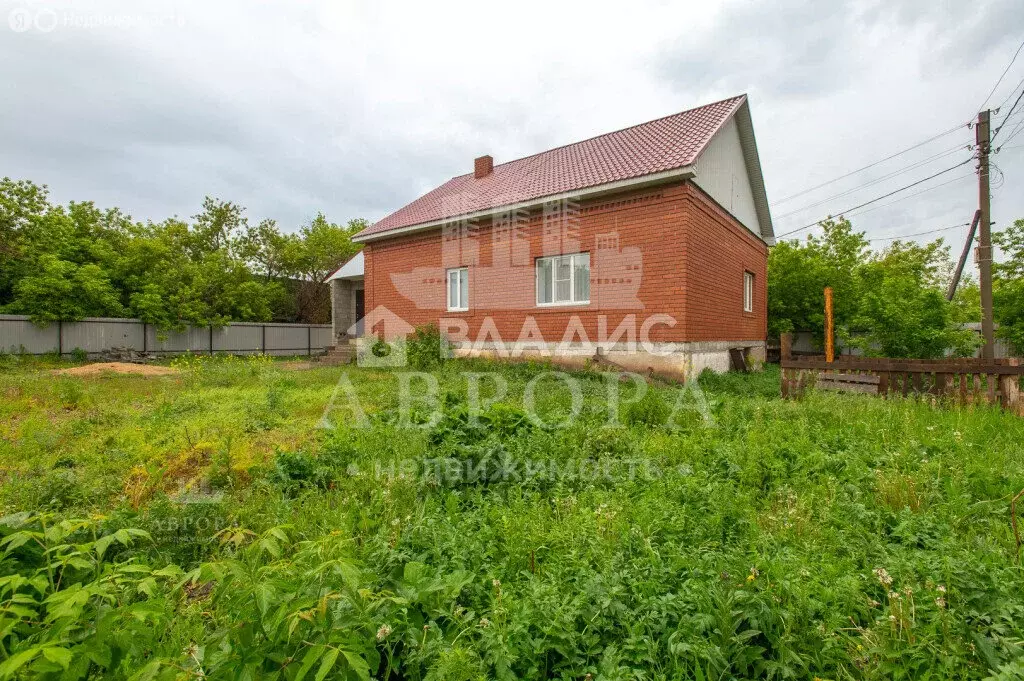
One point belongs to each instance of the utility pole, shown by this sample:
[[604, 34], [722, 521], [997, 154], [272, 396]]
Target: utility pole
[[985, 236]]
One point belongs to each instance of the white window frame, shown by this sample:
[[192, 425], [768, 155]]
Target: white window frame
[[553, 259], [748, 291], [459, 272]]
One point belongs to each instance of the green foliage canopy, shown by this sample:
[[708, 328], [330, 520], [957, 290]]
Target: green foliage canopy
[[1008, 285], [66, 263], [890, 303]]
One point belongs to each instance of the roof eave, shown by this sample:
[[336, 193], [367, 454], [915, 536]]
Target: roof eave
[[753, 160], [339, 273], [665, 176]]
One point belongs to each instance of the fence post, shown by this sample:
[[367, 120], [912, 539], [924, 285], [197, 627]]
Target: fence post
[[785, 346], [309, 341], [263, 339], [144, 339], [211, 340], [830, 353], [60, 338], [1009, 388]]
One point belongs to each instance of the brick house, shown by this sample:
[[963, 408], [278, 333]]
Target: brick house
[[657, 233]]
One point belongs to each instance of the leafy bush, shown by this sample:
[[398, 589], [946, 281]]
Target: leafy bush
[[300, 470], [426, 349]]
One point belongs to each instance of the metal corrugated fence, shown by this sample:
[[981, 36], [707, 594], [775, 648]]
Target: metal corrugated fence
[[94, 335]]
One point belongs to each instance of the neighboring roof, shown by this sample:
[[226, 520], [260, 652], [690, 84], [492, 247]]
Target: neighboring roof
[[666, 144], [353, 267]]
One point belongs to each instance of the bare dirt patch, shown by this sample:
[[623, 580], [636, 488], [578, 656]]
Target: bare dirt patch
[[117, 368], [295, 365]]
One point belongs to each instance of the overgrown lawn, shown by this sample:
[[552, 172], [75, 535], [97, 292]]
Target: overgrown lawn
[[207, 525]]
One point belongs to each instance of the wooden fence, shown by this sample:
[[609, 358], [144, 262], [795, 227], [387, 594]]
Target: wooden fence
[[962, 380]]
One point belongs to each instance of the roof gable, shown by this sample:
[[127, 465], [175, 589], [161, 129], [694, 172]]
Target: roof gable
[[353, 267], [666, 144]]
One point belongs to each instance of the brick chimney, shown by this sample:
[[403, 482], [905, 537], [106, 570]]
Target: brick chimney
[[483, 166]]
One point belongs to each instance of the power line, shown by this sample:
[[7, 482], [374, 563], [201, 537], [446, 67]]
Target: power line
[[1013, 133], [1008, 114], [1019, 115], [1005, 71], [879, 198], [872, 165], [911, 195], [877, 180], [1002, 103], [930, 231]]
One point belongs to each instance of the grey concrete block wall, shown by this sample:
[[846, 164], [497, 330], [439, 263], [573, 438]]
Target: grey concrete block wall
[[343, 306]]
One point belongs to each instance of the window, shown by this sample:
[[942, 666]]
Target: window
[[563, 280], [458, 290], [748, 291]]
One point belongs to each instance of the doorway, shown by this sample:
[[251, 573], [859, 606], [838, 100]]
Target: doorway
[[360, 310]]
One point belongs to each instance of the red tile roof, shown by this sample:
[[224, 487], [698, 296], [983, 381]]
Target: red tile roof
[[664, 144]]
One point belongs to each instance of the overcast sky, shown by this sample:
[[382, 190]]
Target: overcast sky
[[355, 109]]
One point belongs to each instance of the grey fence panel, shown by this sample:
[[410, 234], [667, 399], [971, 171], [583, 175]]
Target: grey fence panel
[[18, 334], [239, 339], [322, 338], [287, 339], [194, 339], [95, 335]]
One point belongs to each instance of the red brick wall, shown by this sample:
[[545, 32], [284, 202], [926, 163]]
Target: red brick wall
[[692, 255], [720, 250]]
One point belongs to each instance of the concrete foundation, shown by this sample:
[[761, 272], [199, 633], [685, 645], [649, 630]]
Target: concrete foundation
[[677, 360]]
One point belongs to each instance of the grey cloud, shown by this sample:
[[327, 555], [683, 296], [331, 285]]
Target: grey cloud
[[290, 109], [781, 49]]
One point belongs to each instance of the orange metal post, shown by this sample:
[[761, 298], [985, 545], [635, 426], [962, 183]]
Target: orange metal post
[[830, 350]]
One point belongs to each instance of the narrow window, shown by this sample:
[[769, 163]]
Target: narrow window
[[458, 290], [748, 291], [563, 279]]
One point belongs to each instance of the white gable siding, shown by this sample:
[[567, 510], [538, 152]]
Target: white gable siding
[[721, 171]]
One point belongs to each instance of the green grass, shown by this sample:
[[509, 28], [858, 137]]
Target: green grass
[[750, 546]]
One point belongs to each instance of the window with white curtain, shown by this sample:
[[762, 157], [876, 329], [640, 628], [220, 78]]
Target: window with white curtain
[[748, 291], [458, 289], [563, 279]]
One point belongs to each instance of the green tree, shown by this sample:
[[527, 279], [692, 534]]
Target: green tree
[[903, 311], [58, 289], [890, 303], [321, 248], [21, 202], [66, 262], [799, 272], [1008, 285]]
